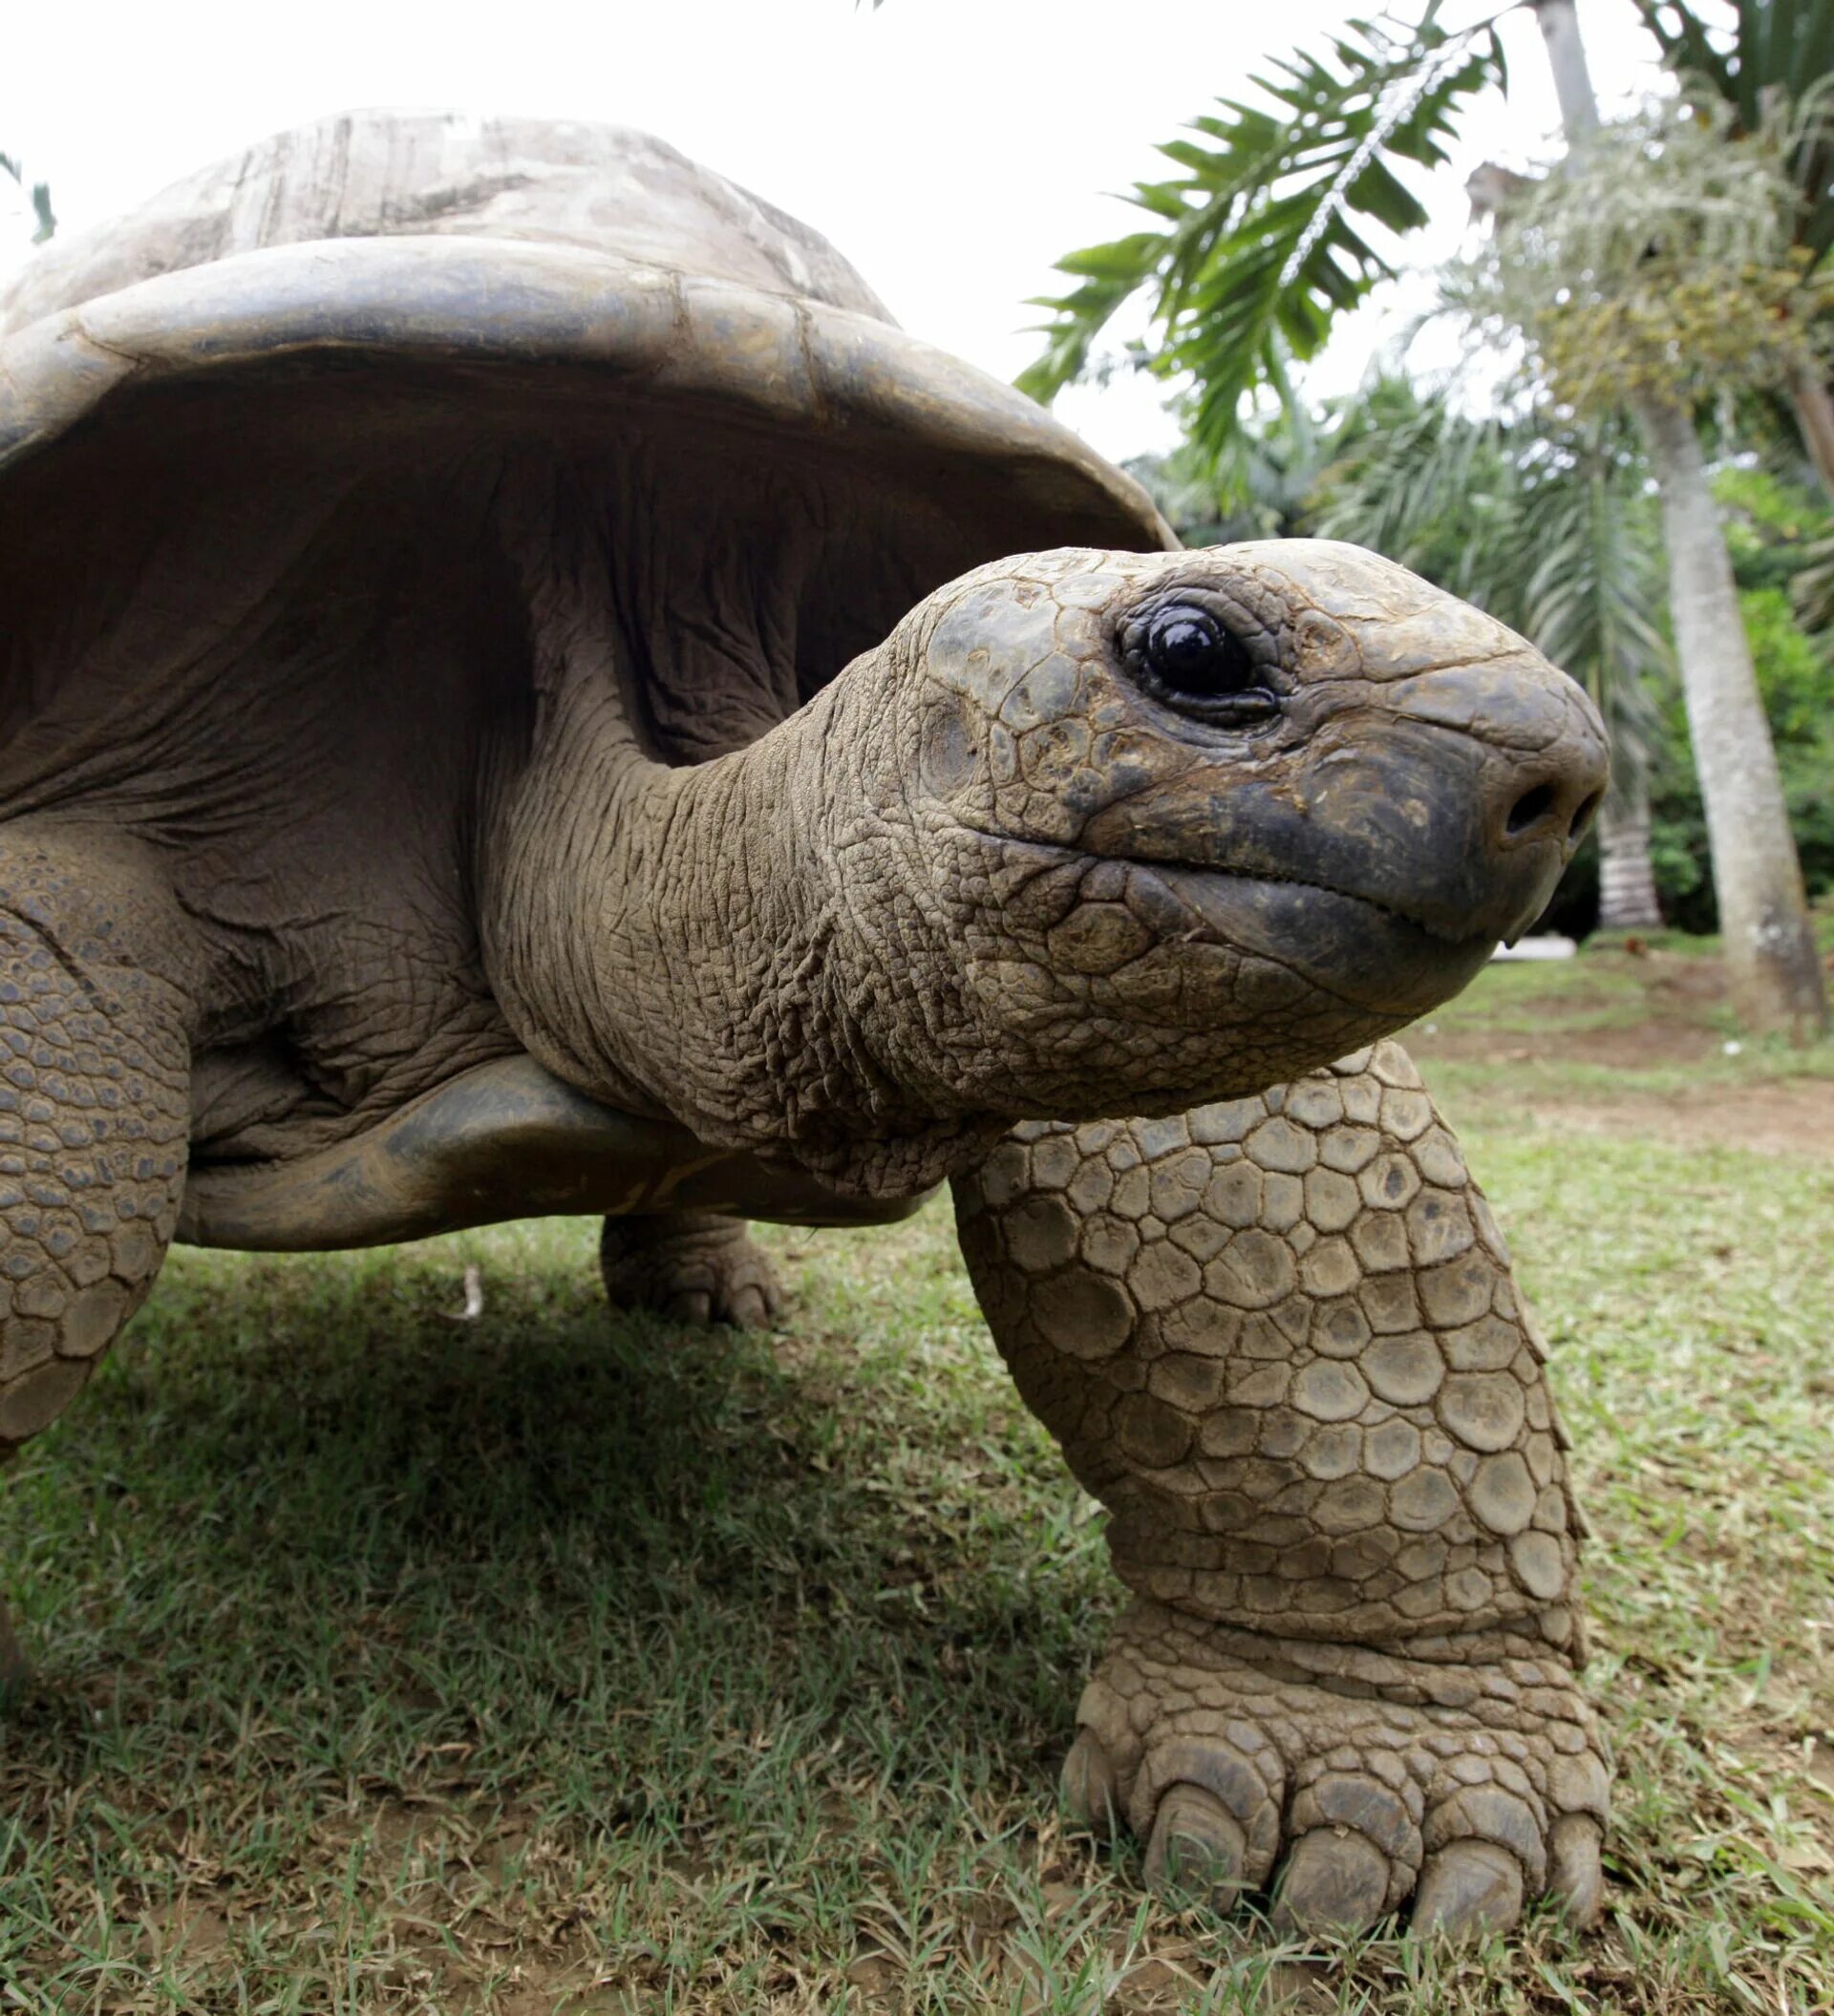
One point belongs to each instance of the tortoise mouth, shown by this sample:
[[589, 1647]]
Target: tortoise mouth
[[1200, 871], [1410, 924], [1364, 951], [1358, 949]]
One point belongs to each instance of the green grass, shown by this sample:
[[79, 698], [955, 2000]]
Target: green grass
[[1652, 1024], [542, 1662]]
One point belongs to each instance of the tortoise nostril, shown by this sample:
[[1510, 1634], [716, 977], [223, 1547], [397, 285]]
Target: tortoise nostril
[[1582, 818], [1534, 804]]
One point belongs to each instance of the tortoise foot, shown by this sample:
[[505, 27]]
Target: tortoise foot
[[1459, 1781], [690, 1267]]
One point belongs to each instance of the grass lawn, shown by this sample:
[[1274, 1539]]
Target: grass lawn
[[548, 1663]]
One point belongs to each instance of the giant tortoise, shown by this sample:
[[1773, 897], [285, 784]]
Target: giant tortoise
[[525, 691]]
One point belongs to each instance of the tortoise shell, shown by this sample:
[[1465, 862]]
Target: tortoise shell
[[507, 258]]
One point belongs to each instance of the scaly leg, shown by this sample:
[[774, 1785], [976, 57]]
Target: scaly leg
[[1279, 1340], [94, 1110], [693, 1266]]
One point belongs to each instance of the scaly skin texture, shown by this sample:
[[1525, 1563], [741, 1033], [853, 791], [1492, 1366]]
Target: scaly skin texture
[[94, 1110], [990, 873], [691, 1267], [1279, 1340]]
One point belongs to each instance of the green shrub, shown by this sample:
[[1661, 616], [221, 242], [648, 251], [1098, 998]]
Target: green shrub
[[1770, 530]]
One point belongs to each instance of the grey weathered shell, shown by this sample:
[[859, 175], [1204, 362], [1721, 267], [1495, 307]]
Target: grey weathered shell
[[390, 175], [456, 240]]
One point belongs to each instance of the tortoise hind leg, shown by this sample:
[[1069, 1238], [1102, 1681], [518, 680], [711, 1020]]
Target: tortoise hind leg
[[691, 1267], [94, 1110]]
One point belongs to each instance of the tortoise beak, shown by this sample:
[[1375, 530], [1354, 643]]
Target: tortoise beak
[[1457, 806]]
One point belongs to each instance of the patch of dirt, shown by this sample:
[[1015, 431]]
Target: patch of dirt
[[1681, 997], [1787, 1117], [184, 1931], [1641, 1046], [1780, 1116]]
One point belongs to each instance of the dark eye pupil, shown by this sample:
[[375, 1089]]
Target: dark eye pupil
[[1192, 653]]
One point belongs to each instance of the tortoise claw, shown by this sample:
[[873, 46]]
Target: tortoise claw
[[1576, 1873], [1336, 1881], [1088, 1787], [1197, 1848], [748, 1309], [1467, 1889]]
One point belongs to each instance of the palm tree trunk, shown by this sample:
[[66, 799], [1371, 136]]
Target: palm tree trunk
[[1559, 24], [1814, 405], [1627, 899], [1757, 877]]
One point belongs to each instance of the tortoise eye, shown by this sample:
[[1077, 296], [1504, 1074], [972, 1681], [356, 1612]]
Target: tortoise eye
[[1188, 659]]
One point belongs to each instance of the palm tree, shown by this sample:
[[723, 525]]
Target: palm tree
[[1773, 65], [1597, 563], [1757, 873], [1260, 241], [1553, 531]]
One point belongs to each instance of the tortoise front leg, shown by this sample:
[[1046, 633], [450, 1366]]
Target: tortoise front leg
[[1279, 1340], [94, 1115]]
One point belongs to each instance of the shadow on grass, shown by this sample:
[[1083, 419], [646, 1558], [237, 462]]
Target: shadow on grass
[[547, 1543]]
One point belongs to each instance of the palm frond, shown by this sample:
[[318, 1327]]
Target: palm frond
[[1424, 484], [40, 195], [1812, 590], [1278, 220], [1595, 572]]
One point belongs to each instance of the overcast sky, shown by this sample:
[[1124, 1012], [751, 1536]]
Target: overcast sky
[[950, 148]]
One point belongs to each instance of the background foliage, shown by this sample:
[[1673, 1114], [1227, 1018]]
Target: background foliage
[[1773, 529]]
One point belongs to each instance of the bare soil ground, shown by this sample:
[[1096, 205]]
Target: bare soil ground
[[1635, 1043], [1795, 1118]]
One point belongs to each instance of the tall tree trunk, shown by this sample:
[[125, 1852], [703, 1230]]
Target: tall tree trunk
[[1627, 899], [1566, 58], [1814, 405], [1757, 877]]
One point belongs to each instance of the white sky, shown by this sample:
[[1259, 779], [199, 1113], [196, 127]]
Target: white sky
[[952, 149]]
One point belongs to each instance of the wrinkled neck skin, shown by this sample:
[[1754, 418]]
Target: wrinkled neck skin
[[987, 873], [689, 940]]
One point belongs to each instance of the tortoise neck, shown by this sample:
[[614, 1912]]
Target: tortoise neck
[[688, 941], [624, 900]]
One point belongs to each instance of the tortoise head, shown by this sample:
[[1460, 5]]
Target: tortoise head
[[1190, 822]]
